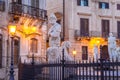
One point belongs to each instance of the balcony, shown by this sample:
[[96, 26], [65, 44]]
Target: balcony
[[21, 9], [78, 34], [2, 6], [105, 34]]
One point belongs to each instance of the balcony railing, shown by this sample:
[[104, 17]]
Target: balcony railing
[[80, 34], [21, 9], [105, 34], [2, 6], [88, 34]]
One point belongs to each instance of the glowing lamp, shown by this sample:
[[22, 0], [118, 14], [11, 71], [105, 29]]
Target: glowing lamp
[[74, 52], [12, 29]]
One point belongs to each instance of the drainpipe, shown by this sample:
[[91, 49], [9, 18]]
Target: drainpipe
[[63, 20]]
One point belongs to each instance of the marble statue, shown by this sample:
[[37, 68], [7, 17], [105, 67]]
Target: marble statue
[[66, 45], [54, 54], [54, 41], [54, 51], [54, 31], [118, 52], [96, 55], [111, 46]]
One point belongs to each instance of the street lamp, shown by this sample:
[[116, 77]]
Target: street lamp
[[12, 30], [74, 53]]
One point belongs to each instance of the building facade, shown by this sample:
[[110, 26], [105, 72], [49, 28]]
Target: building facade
[[88, 23], [30, 18]]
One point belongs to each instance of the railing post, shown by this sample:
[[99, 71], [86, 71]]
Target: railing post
[[101, 64], [63, 62], [33, 64]]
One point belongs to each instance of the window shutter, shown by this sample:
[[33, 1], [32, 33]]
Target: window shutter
[[107, 5], [105, 28], [118, 6], [84, 27], [16, 50], [19, 1], [86, 2], [118, 29], [2, 6], [0, 51], [78, 2], [100, 5], [37, 3]]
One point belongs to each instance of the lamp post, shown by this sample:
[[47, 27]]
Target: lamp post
[[74, 53], [12, 30]]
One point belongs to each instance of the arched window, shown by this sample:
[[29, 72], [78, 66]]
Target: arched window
[[33, 45], [0, 51]]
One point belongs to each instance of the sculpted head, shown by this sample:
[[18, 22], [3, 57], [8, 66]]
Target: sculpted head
[[52, 19], [110, 34]]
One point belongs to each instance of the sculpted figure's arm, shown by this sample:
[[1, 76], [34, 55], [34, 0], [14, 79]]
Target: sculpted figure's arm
[[49, 32], [55, 31]]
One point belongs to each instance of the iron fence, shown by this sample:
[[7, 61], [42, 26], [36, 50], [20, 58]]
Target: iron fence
[[71, 70]]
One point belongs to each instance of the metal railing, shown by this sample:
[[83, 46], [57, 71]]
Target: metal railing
[[80, 34], [77, 34], [22, 9], [88, 34], [73, 70]]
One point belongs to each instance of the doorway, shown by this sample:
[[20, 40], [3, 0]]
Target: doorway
[[104, 54]]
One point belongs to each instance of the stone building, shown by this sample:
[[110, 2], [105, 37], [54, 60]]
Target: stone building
[[30, 18], [88, 23]]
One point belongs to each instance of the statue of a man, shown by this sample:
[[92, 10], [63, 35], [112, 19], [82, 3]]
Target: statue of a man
[[96, 56], [54, 32], [111, 45]]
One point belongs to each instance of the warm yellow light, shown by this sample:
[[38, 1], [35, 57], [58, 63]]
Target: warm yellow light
[[97, 41], [26, 30], [33, 29], [74, 52], [29, 30], [12, 29]]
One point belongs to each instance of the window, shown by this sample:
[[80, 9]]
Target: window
[[84, 27], [2, 6], [33, 45], [16, 50], [118, 29], [84, 53], [105, 28], [82, 2], [0, 51], [118, 6], [35, 3], [103, 5], [35, 10], [18, 1]]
